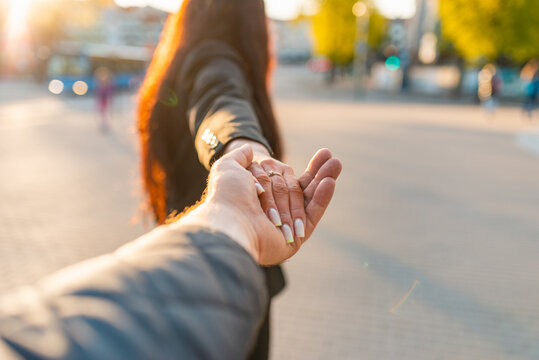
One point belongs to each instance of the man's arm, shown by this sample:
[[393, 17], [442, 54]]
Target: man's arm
[[178, 292]]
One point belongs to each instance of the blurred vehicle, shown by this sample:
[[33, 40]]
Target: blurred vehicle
[[71, 66], [293, 56]]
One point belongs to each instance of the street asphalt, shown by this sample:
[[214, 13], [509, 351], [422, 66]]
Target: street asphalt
[[429, 250]]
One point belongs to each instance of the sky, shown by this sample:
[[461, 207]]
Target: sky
[[288, 9]]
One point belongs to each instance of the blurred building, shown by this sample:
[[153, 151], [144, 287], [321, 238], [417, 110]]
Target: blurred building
[[82, 28], [133, 26], [291, 40]]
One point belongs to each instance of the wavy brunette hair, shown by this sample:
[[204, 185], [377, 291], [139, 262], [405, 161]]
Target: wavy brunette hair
[[242, 25]]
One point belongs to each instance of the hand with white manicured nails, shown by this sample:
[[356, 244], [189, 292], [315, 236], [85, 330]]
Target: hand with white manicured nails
[[233, 207], [282, 198], [232, 194], [316, 186]]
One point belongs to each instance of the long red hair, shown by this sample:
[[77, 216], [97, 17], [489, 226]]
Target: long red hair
[[242, 25]]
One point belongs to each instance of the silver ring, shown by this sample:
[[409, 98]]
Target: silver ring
[[271, 173]]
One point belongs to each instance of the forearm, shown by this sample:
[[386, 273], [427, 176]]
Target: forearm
[[141, 302], [223, 219]]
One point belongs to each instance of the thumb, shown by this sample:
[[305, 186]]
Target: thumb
[[242, 155]]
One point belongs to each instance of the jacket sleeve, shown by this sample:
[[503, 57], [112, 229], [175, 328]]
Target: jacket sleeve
[[172, 294], [220, 107]]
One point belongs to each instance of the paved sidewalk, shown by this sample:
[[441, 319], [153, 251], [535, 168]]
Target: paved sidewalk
[[529, 140]]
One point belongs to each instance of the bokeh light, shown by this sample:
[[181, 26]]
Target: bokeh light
[[56, 86], [393, 63], [401, 9], [427, 48], [169, 98], [360, 9], [80, 87]]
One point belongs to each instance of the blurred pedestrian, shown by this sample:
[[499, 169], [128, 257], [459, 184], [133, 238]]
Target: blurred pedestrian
[[206, 93], [104, 81], [530, 75], [489, 87]]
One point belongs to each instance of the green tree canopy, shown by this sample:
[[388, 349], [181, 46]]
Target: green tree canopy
[[492, 28], [334, 28]]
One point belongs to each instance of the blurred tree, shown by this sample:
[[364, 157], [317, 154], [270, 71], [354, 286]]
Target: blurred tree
[[334, 28], [492, 28]]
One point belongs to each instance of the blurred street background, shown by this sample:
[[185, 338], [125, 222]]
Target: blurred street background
[[430, 248]]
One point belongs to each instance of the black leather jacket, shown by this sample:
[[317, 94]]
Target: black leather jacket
[[176, 293]]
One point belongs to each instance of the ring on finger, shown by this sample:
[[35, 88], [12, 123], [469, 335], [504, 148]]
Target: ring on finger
[[271, 173]]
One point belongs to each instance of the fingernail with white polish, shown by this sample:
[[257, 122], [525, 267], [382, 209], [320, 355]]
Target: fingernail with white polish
[[300, 228], [259, 189], [274, 217], [288, 234]]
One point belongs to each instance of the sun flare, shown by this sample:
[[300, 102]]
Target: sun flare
[[16, 24]]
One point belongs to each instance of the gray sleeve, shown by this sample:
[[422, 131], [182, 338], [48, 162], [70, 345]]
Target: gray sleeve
[[172, 294]]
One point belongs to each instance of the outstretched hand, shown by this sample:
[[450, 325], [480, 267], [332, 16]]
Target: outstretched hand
[[280, 193], [233, 207]]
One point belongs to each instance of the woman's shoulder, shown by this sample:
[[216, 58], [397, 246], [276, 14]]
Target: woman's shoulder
[[213, 48], [205, 53]]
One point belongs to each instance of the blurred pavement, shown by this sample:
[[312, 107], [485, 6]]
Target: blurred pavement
[[429, 250]]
